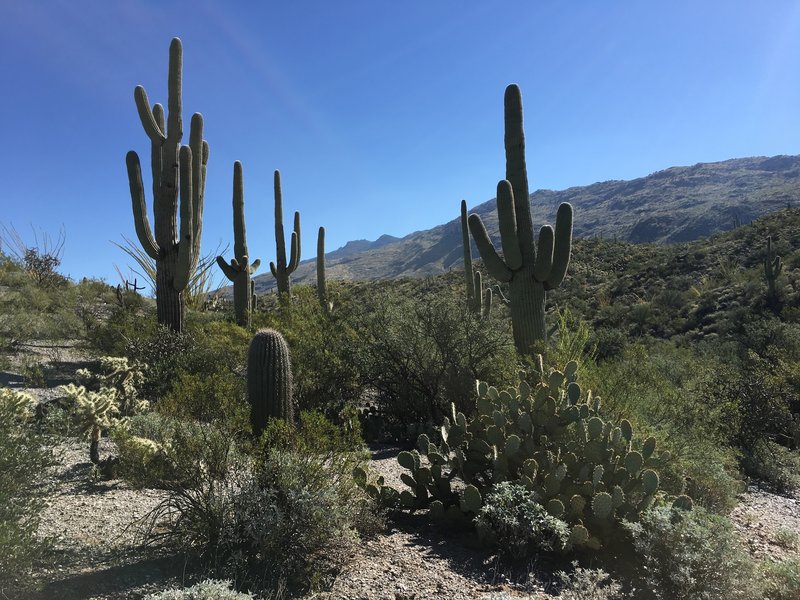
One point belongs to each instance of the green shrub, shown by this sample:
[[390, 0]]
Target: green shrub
[[31, 312], [518, 524], [781, 579], [421, 355], [164, 352], [205, 590], [283, 516], [217, 395], [588, 584], [25, 459], [690, 554]]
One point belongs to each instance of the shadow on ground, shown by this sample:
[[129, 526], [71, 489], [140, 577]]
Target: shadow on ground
[[129, 580]]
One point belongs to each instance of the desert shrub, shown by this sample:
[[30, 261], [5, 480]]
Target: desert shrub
[[588, 584], [421, 355], [518, 524], [609, 343], [760, 380], [32, 312], [774, 465], [690, 554], [163, 351], [120, 330], [579, 584], [218, 395], [572, 339], [25, 459], [208, 347], [209, 589], [781, 579], [280, 517]]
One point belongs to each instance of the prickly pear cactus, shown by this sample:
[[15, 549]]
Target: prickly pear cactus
[[549, 435]]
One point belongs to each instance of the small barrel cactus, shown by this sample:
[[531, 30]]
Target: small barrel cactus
[[269, 379]]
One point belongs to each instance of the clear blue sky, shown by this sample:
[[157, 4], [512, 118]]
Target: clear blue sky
[[380, 115]]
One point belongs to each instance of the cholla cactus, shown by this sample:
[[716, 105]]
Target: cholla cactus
[[19, 404], [120, 375], [93, 412]]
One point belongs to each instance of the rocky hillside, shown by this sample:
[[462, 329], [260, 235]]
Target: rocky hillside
[[678, 204]]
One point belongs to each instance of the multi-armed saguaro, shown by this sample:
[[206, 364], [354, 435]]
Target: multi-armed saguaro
[[282, 270], [175, 169], [529, 270], [240, 269], [479, 300]]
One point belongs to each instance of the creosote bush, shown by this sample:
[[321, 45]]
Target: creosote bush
[[421, 355]]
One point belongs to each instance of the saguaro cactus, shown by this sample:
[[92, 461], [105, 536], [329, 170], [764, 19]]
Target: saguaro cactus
[[282, 270], [240, 269], [176, 169], [269, 379], [479, 300], [322, 286], [772, 268], [529, 270]]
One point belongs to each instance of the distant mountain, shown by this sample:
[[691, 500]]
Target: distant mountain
[[678, 204]]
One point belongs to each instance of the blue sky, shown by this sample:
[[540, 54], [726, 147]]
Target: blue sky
[[380, 115]]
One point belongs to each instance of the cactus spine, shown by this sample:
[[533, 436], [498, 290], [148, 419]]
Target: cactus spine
[[282, 269], [772, 268], [529, 270], [176, 170], [240, 269], [479, 300], [269, 379]]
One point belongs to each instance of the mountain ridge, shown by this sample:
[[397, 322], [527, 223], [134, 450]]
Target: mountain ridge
[[672, 205]]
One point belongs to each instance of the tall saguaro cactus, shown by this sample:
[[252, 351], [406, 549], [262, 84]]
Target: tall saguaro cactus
[[240, 269], [772, 268], [282, 269], [322, 286], [177, 170], [530, 268], [479, 300]]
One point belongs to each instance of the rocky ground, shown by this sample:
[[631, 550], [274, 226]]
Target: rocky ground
[[98, 554]]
